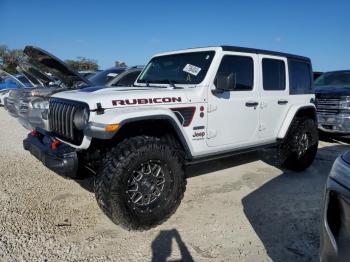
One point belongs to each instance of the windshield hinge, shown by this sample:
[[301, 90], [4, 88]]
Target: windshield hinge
[[211, 108]]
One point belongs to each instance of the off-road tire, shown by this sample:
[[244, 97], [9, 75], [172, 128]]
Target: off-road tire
[[298, 149], [112, 184]]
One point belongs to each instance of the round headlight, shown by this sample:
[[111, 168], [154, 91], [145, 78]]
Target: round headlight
[[81, 118]]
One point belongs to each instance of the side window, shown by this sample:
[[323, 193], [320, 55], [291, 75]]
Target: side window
[[300, 77], [274, 74], [242, 68], [127, 80]]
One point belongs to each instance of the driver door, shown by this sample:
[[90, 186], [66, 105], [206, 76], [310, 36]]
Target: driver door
[[233, 117]]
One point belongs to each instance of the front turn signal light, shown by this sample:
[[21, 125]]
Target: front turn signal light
[[112, 128]]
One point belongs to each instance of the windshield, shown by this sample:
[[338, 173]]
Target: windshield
[[101, 78], [334, 79], [7, 81], [185, 68]]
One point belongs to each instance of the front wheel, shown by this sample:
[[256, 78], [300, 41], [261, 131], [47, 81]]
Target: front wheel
[[141, 183], [299, 148]]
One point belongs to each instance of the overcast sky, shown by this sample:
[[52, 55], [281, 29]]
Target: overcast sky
[[132, 31]]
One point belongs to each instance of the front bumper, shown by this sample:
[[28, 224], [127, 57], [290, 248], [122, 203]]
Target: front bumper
[[33, 118], [335, 231], [63, 160], [336, 124]]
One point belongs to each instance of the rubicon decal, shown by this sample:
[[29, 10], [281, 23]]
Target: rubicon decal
[[145, 101]]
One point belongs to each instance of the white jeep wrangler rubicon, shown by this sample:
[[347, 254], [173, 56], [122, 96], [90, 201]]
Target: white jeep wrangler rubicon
[[186, 106]]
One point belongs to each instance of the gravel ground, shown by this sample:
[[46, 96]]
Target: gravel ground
[[235, 209]]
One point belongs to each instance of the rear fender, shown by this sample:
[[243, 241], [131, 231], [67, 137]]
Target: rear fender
[[296, 110]]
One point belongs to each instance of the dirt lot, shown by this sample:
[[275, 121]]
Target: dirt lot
[[235, 209]]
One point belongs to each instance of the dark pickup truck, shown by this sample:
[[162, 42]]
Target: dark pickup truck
[[333, 102]]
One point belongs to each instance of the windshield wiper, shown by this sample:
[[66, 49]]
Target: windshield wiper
[[171, 83], [150, 81]]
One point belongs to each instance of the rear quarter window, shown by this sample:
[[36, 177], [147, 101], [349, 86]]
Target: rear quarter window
[[300, 77]]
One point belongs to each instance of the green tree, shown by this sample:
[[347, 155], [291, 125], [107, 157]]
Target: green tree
[[120, 64], [82, 63], [9, 58]]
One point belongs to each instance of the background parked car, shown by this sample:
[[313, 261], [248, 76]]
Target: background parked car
[[31, 106], [333, 102], [88, 73], [103, 77], [126, 78], [14, 82], [317, 75], [335, 234], [37, 77], [9, 82]]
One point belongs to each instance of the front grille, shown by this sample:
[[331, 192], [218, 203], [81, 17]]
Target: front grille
[[329, 106], [61, 115]]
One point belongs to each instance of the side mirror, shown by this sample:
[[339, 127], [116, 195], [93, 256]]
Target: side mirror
[[226, 83]]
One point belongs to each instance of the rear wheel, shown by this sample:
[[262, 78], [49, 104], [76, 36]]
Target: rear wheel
[[141, 183], [299, 148]]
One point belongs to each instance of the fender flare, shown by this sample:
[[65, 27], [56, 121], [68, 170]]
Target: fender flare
[[293, 111], [171, 121]]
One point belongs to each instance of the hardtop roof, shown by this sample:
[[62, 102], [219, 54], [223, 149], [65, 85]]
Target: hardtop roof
[[237, 49], [263, 52]]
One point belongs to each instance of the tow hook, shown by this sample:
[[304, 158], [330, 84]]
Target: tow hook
[[55, 144], [34, 132]]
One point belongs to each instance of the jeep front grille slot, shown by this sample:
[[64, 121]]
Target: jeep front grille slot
[[61, 116]]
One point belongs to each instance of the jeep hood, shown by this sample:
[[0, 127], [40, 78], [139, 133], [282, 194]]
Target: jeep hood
[[323, 91], [47, 62], [122, 97]]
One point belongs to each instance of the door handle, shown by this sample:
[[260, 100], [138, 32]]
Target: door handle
[[251, 104], [282, 102]]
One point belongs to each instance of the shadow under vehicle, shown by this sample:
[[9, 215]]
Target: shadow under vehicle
[[286, 211]]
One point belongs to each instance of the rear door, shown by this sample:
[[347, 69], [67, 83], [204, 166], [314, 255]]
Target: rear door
[[274, 94], [233, 116]]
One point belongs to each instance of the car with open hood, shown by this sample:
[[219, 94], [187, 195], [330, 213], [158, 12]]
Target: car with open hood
[[33, 105], [53, 75], [9, 83], [37, 79]]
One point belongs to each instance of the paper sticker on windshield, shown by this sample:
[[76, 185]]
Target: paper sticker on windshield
[[191, 69]]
